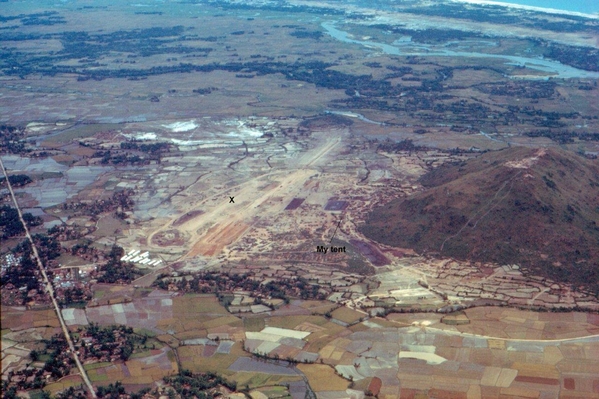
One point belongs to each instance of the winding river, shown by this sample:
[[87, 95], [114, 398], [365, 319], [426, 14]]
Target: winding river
[[555, 68]]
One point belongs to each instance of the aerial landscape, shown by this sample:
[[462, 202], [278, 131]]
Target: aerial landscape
[[299, 199]]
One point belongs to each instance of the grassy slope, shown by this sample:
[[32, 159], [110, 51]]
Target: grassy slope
[[544, 217]]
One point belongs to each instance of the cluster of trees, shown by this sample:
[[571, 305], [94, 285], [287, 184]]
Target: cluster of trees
[[10, 224], [520, 89], [204, 90], [73, 296], [183, 385], [12, 140], [151, 148], [60, 361], [283, 7], [125, 157], [88, 49], [117, 391], [564, 136], [24, 274], [120, 201], [302, 34], [198, 386], [153, 151], [215, 282], [112, 341], [586, 58], [119, 159], [39, 18], [48, 248], [117, 271], [404, 145], [57, 365], [288, 359], [16, 180], [141, 42], [431, 36], [71, 393]]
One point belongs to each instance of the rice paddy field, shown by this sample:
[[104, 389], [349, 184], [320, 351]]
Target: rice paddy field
[[493, 351]]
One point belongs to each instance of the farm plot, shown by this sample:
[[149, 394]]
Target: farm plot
[[138, 372], [514, 323], [15, 318], [279, 343], [424, 360], [323, 378], [73, 380], [141, 312], [209, 356]]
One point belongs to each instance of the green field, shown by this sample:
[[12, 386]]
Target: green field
[[253, 324]]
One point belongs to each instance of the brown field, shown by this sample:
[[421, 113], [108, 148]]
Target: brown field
[[514, 323], [318, 307], [217, 238], [323, 378], [18, 319], [347, 315], [219, 362]]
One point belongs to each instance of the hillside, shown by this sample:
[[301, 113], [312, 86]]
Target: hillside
[[538, 208]]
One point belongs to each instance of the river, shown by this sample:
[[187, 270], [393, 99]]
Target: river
[[557, 69]]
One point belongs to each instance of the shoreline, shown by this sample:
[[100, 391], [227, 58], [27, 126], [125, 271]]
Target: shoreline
[[529, 8]]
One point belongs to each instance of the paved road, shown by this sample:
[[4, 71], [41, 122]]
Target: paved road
[[50, 290]]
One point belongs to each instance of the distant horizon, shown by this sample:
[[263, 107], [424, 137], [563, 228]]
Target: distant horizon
[[587, 8]]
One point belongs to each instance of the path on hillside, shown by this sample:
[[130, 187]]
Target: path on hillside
[[50, 289]]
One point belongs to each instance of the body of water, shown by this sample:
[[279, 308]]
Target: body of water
[[554, 68], [590, 7]]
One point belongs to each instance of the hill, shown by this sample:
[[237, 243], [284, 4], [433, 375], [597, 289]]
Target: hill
[[538, 208]]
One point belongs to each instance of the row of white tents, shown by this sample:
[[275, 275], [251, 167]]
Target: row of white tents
[[135, 256]]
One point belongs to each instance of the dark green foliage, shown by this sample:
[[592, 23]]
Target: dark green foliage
[[301, 34], [404, 145], [217, 283], [9, 222], [149, 148], [200, 386], [116, 270], [41, 18], [112, 391], [550, 183], [31, 220], [586, 58], [16, 180], [430, 35], [564, 136], [12, 140], [48, 247], [59, 362], [11, 225], [34, 355], [117, 340], [71, 393], [10, 393], [25, 273]]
